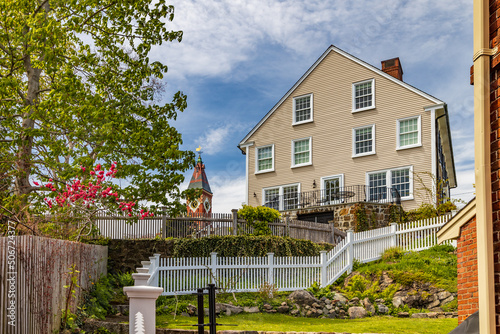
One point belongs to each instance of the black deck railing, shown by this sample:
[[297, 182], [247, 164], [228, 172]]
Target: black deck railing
[[338, 195]]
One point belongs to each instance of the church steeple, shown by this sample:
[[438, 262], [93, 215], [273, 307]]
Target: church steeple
[[199, 180]]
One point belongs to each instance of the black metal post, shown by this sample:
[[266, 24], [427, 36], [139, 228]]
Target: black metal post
[[201, 312], [211, 309]]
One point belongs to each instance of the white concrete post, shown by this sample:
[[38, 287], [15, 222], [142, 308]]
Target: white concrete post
[[270, 272], [394, 239], [350, 249], [213, 267], [142, 314], [323, 268]]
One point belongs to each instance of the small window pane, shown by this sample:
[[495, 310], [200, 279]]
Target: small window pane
[[408, 132], [363, 95], [271, 198], [363, 140], [265, 158], [401, 181], [377, 186], [302, 108], [290, 197], [301, 152]]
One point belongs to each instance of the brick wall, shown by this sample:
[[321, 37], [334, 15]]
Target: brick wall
[[467, 293], [495, 147]]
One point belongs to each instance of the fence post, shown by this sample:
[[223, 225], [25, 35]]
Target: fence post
[[350, 249], [270, 270], [142, 314], [323, 268], [394, 239], [235, 221], [164, 223], [213, 267]]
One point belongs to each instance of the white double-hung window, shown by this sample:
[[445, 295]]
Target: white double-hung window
[[363, 141], [363, 95], [381, 184], [301, 152], [285, 197], [264, 159], [302, 109], [409, 132]]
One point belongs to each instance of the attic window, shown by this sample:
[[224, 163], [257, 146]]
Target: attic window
[[302, 109], [363, 95]]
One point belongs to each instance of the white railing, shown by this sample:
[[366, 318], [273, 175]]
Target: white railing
[[247, 274]]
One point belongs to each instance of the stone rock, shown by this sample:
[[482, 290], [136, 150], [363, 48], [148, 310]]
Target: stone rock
[[303, 297], [316, 305], [436, 309], [328, 301], [432, 315], [403, 315], [184, 314], [294, 312], [385, 281], [433, 304], [228, 309], [253, 309], [284, 304], [328, 306], [340, 298], [368, 306], [267, 307], [356, 312], [397, 301], [271, 311], [283, 309], [354, 301], [382, 309], [379, 301], [419, 315], [443, 295], [447, 300]]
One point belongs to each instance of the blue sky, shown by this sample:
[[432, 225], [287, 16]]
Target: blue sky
[[239, 57]]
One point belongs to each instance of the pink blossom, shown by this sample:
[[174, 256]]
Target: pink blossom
[[35, 183]]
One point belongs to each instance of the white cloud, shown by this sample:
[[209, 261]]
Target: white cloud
[[215, 140], [229, 193], [465, 190]]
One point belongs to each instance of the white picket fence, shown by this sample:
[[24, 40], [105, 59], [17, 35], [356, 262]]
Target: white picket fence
[[247, 274]]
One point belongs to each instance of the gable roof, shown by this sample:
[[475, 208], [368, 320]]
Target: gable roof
[[333, 48]]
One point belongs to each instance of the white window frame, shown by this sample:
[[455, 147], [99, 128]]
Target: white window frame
[[354, 155], [388, 180], [280, 187], [257, 171], [419, 129], [294, 110], [323, 190], [354, 110], [293, 153]]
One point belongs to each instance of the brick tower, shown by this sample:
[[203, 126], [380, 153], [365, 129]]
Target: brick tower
[[202, 205]]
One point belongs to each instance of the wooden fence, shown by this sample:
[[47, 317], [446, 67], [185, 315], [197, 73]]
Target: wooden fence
[[198, 226], [237, 274], [33, 272]]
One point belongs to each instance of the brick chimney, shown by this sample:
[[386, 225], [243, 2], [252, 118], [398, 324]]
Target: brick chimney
[[393, 67]]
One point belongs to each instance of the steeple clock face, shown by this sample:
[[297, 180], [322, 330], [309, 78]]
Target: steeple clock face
[[194, 204], [207, 205]]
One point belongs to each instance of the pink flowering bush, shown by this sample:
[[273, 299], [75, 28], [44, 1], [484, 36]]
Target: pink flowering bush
[[81, 200]]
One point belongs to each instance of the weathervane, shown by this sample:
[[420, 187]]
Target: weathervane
[[199, 150]]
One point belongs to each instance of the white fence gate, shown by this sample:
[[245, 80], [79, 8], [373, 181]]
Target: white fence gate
[[240, 274]]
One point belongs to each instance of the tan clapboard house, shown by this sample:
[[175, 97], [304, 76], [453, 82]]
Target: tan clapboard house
[[349, 131]]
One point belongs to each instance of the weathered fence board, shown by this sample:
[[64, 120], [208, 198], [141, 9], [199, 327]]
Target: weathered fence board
[[37, 280]]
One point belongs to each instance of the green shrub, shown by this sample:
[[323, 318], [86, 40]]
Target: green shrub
[[241, 245], [259, 217]]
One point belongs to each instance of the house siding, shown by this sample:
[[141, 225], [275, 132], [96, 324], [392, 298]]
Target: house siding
[[331, 131], [467, 285]]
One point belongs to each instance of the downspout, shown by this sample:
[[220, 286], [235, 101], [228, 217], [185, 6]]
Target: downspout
[[484, 215]]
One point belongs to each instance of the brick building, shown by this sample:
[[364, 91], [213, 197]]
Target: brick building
[[201, 206], [477, 226]]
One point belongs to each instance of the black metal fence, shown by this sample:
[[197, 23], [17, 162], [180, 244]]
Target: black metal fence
[[337, 195]]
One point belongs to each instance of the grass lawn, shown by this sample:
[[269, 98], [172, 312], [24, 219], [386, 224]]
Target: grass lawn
[[281, 323]]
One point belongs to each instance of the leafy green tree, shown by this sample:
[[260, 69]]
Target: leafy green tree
[[78, 88]]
